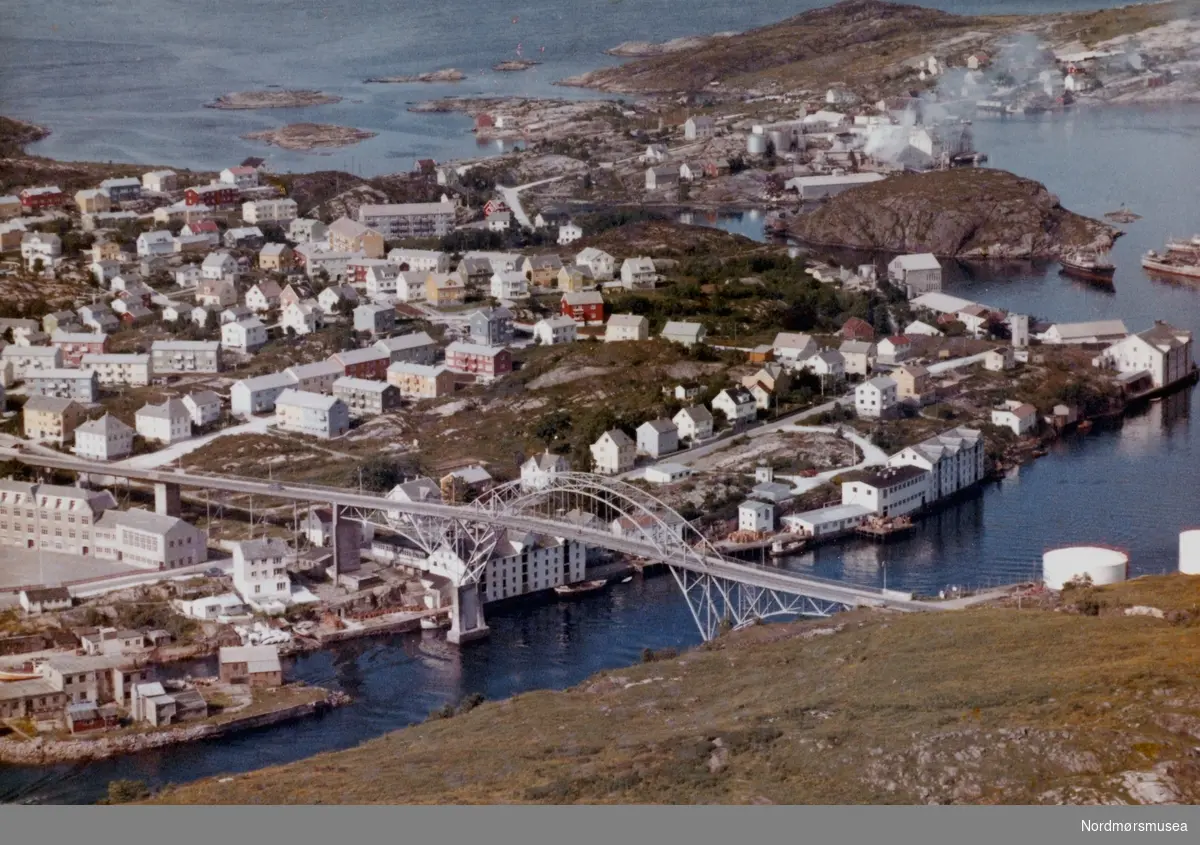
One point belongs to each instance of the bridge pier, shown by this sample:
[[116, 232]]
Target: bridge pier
[[466, 615], [167, 500], [347, 542]]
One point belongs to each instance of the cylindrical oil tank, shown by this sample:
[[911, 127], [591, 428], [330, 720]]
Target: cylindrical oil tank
[[756, 145], [1103, 565], [1189, 551], [781, 140]]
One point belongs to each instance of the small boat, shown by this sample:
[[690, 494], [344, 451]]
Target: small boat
[[1089, 264], [783, 546], [1085, 426], [582, 588], [1172, 265], [1189, 248], [626, 579]]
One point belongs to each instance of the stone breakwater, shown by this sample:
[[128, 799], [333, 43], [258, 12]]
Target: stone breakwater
[[42, 751]]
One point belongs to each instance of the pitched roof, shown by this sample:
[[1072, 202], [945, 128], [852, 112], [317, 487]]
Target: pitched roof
[[304, 399], [171, 409]]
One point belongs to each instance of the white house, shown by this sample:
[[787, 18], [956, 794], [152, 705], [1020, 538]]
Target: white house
[[557, 329], [858, 356], [113, 368], [636, 272], [828, 364], [737, 404], [188, 275], [314, 414], [687, 334], [876, 398], [655, 154], [244, 336], [509, 284], [999, 359], [888, 491], [602, 265], [955, 460], [257, 395], [333, 296], [260, 571], [375, 319], [241, 177], [302, 318], [1163, 352], [409, 287], [894, 349], [420, 260], [792, 348], [1090, 333], [657, 438], [104, 439], [568, 234], [263, 296], [622, 327], [916, 274], [757, 517], [1019, 417], [499, 221], [159, 242], [539, 472], [203, 406], [694, 423], [218, 265], [919, 328], [167, 423], [698, 127], [613, 453]]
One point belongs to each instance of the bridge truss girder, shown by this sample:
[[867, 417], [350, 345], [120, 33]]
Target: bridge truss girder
[[717, 603]]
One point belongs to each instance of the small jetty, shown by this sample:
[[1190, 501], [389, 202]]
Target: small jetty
[[885, 528]]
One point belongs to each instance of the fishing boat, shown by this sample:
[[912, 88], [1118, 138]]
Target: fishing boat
[[1189, 248], [1172, 264], [783, 546], [626, 579], [1090, 264], [568, 591]]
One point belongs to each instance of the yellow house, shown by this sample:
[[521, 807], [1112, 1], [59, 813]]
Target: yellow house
[[346, 235], [51, 419], [275, 257], [444, 289], [10, 206], [92, 201], [106, 251], [420, 381], [573, 278], [912, 382], [542, 270]]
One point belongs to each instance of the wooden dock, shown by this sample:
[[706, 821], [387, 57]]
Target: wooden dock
[[883, 530]]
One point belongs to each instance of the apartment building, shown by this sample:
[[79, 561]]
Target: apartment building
[[420, 381], [181, 357], [409, 220], [314, 414], [366, 397], [129, 369]]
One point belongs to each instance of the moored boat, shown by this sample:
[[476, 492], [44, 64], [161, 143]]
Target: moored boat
[[1172, 265], [1088, 264], [582, 588], [1189, 248], [782, 546]]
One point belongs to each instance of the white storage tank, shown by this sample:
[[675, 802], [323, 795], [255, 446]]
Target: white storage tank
[[1102, 564], [756, 145], [1189, 551]]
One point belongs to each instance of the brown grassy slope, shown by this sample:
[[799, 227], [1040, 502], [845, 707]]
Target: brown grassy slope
[[963, 212], [665, 238], [849, 41], [984, 706]]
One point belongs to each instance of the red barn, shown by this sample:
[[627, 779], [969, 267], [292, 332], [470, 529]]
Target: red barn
[[369, 363], [50, 196], [211, 195], [584, 306]]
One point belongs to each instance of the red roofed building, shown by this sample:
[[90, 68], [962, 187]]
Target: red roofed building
[[857, 328], [494, 206], [47, 197], [211, 195], [584, 307], [369, 363]]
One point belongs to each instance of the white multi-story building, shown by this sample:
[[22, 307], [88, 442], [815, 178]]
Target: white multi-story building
[[602, 265], [1018, 417], [568, 234], [260, 571], [67, 383], [41, 245], [890, 491], [876, 398], [521, 563], [159, 242], [375, 319], [613, 453], [737, 404], [241, 177], [366, 397], [50, 516], [258, 395], [657, 438], [31, 359], [203, 406], [509, 284], [181, 357], [694, 423], [269, 211], [244, 336], [302, 318], [916, 274], [409, 220], [621, 327], [553, 330], [317, 377], [1163, 352], [219, 266], [149, 540], [124, 368], [314, 414], [104, 439], [539, 472], [954, 459], [755, 516], [420, 260], [167, 423], [791, 348], [638, 272]]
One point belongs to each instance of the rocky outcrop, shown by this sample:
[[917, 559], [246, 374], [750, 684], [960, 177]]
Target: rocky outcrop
[[310, 136], [448, 75], [280, 99], [972, 213]]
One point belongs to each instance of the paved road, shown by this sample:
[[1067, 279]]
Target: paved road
[[955, 363], [513, 199]]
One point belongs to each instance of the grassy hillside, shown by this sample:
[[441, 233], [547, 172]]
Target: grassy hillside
[[995, 705]]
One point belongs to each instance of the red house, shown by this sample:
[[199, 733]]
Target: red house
[[75, 345], [857, 329], [584, 307], [50, 196], [369, 363], [211, 195], [484, 121], [488, 362], [357, 268], [493, 206]]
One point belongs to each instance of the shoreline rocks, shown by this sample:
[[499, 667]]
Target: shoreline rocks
[[447, 75], [646, 49], [310, 136], [272, 100], [512, 65]]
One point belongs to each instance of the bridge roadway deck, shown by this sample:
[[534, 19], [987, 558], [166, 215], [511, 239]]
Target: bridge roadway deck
[[756, 576]]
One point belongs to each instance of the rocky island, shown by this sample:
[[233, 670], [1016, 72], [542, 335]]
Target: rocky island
[[973, 213], [272, 100], [511, 65], [310, 136], [646, 49], [450, 74]]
